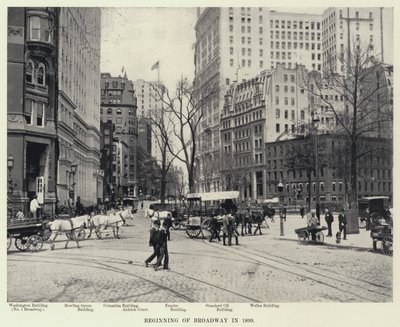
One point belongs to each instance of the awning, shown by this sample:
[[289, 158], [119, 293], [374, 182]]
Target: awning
[[213, 196], [273, 200]]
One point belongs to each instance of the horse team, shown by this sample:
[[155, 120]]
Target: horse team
[[74, 228]]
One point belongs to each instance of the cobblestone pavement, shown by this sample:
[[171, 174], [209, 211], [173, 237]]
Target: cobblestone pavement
[[263, 268]]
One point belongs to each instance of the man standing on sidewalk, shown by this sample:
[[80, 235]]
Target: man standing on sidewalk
[[342, 223], [329, 221]]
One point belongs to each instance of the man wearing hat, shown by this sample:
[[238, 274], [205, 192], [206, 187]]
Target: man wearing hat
[[342, 223], [154, 241], [329, 221]]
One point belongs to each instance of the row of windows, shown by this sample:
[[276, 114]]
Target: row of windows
[[278, 128], [248, 118], [114, 85], [295, 24], [292, 116], [307, 36], [300, 45], [118, 111], [261, 63], [286, 101]]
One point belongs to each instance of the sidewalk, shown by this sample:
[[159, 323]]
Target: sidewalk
[[359, 242]]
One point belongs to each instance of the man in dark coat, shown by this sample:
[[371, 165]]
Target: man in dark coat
[[163, 253], [329, 221], [167, 224], [214, 229], [302, 211], [342, 223], [154, 242]]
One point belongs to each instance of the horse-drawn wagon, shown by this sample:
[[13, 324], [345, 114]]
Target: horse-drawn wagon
[[28, 233], [201, 207]]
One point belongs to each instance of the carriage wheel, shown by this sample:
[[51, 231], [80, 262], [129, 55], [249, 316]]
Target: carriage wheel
[[206, 229], [319, 237], [35, 243], [193, 231], [81, 235], [304, 237], [362, 223], [9, 241], [21, 243], [387, 245]]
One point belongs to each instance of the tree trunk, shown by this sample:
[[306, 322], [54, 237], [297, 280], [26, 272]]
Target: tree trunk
[[309, 191], [353, 169]]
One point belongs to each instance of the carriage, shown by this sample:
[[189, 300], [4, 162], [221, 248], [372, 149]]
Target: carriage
[[382, 231], [131, 203], [311, 234], [376, 206], [28, 233], [201, 207]]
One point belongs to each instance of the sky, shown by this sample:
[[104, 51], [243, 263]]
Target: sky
[[136, 38]]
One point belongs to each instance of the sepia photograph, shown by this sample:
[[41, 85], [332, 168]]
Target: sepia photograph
[[213, 155]]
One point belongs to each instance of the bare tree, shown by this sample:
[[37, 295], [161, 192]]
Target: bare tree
[[163, 131], [185, 111], [360, 82]]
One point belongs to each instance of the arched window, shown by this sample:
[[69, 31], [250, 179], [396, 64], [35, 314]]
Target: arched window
[[29, 71], [41, 75]]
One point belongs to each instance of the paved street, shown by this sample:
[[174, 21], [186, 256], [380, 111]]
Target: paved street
[[265, 268]]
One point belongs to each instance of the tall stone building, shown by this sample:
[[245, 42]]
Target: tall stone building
[[32, 104], [78, 105], [343, 28], [118, 107], [148, 97], [269, 107]]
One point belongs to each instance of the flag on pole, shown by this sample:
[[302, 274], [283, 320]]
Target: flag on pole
[[155, 66]]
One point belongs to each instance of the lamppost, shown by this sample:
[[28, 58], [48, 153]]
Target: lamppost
[[315, 121], [10, 191], [281, 199], [74, 167]]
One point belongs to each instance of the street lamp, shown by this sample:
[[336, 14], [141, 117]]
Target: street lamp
[[281, 199], [315, 121], [74, 166]]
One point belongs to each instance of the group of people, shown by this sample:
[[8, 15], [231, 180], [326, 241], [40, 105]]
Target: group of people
[[312, 220], [228, 228]]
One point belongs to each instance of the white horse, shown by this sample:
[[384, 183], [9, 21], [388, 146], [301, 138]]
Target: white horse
[[115, 220], [74, 227]]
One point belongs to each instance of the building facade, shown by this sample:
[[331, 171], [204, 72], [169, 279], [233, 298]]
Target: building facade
[[343, 28], [118, 107], [374, 178], [32, 104], [148, 95], [295, 39], [106, 159], [271, 106], [78, 105]]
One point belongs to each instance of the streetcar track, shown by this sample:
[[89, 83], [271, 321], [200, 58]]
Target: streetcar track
[[122, 271], [318, 268], [304, 275], [102, 266]]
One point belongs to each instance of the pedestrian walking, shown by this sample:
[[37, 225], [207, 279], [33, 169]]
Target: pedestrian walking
[[167, 224], [258, 219], [214, 229], [154, 242], [302, 210], [367, 219], [343, 224], [226, 230], [141, 205], [249, 221], [163, 250], [232, 226], [34, 206], [329, 221], [242, 215]]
